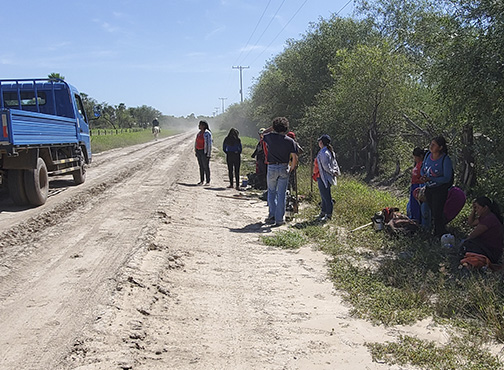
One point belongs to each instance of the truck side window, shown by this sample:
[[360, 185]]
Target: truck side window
[[80, 107]]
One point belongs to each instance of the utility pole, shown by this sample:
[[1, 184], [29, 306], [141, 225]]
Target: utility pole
[[241, 68], [222, 99]]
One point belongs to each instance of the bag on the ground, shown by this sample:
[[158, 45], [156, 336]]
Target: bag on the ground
[[400, 224]]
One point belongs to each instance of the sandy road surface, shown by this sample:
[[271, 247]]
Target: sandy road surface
[[138, 268]]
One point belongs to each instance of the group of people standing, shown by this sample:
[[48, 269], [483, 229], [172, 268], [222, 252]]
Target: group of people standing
[[434, 201], [231, 146], [276, 159]]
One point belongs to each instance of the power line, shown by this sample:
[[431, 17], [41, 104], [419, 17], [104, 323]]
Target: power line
[[284, 27], [267, 26], [255, 29]]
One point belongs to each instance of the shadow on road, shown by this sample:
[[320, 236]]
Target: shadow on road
[[255, 228]]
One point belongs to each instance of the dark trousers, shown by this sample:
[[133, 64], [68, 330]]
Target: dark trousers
[[325, 197], [436, 199], [233, 162], [477, 246], [204, 165]]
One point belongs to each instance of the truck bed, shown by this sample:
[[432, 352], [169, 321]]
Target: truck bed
[[26, 128]]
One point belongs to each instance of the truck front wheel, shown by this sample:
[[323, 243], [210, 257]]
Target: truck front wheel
[[15, 183], [79, 176], [36, 183]]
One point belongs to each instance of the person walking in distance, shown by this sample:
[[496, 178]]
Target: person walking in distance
[[232, 147], [203, 149], [280, 150]]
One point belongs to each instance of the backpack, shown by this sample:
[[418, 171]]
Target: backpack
[[400, 224]]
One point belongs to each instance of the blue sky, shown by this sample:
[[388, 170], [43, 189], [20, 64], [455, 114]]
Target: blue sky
[[174, 55]]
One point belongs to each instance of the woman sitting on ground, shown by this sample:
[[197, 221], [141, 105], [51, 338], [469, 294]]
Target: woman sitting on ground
[[487, 235]]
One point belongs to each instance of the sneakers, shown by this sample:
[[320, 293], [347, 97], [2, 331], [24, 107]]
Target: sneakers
[[326, 218], [280, 223], [230, 186], [270, 220], [200, 183], [207, 183]]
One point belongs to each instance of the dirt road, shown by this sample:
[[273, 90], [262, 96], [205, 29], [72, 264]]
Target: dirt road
[[139, 268]]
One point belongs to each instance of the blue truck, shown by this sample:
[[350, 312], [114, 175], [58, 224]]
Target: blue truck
[[45, 132]]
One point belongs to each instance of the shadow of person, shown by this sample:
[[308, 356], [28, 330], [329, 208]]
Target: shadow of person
[[215, 188], [255, 228], [186, 184]]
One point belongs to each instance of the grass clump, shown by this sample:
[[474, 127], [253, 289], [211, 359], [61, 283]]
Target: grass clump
[[379, 298], [458, 354], [285, 239]]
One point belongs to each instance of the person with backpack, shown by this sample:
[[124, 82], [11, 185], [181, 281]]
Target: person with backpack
[[232, 147], [437, 175], [325, 171]]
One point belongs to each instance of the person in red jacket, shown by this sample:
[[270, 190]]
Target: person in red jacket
[[414, 208]]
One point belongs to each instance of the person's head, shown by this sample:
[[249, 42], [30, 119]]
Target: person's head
[[292, 135], [203, 125], [261, 132], [418, 154], [438, 145], [482, 205], [233, 133], [281, 124], [324, 140]]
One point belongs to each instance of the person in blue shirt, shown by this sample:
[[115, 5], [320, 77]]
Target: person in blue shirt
[[437, 175], [232, 147]]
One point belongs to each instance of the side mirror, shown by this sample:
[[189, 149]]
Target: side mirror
[[97, 111]]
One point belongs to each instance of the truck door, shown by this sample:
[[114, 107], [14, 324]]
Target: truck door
[[83, 124]]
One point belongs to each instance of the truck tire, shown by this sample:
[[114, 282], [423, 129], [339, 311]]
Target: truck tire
[[79, 176], [36, 183], [15, 184]]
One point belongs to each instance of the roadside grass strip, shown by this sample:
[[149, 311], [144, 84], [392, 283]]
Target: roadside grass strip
[[459, 354], [101, 143], [404, 279]]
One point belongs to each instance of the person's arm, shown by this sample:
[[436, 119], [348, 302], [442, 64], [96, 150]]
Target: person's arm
[[472, 220], [477, 231], [294, 161], [208, 144]]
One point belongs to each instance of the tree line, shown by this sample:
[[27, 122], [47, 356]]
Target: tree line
[[120, 116], [388, 79]]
